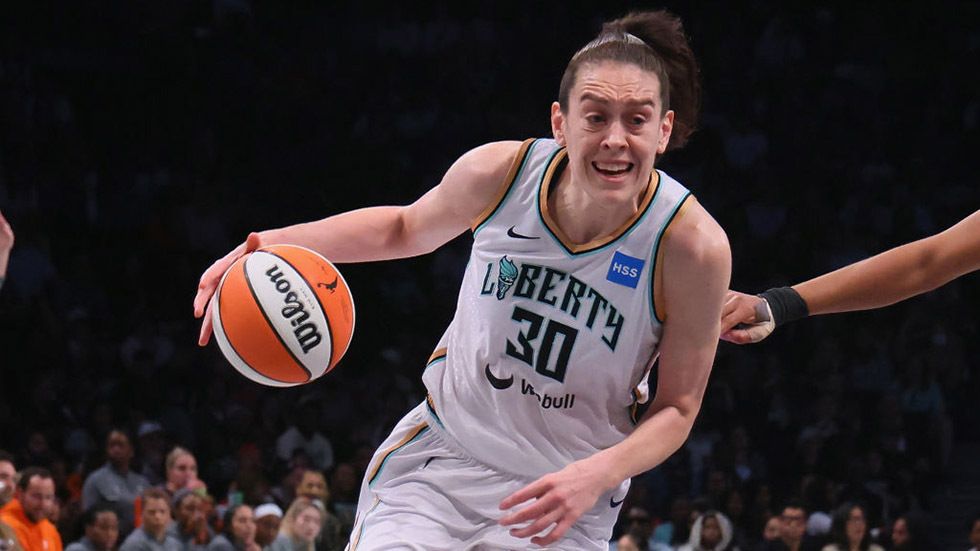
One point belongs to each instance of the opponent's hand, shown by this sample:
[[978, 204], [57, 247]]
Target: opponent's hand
[[209, 283], [6, 236], [559, 498], [745, 318]]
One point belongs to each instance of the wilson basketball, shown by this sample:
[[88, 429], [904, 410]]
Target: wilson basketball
[[283, 315]]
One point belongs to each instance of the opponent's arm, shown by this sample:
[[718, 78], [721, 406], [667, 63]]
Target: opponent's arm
[[388, 232], [697, 267], [6, 243], [881, 280]]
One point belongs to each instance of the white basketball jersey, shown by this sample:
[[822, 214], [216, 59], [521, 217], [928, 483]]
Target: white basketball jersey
[[549, 351]]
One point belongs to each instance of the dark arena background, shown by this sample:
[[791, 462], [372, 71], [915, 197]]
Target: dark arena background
[[139, 141]]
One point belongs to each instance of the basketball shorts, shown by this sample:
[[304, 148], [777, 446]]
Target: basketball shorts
[[422, 492]]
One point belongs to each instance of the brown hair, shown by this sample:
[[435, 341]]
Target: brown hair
[[664, 51]]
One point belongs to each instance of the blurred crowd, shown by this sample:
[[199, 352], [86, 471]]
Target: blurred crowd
[[141, 141]]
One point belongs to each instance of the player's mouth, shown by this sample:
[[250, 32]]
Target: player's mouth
[[612, 170]]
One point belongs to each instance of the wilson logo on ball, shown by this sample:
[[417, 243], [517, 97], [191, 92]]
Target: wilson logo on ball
[[306, 332]]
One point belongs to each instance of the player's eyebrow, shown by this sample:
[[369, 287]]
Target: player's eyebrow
[[589, 96]]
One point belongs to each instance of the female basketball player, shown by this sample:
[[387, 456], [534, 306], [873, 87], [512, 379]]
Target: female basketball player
[[587, 264], [881, 280]]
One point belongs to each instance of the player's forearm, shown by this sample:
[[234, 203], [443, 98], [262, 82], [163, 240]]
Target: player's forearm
[[657, 437], [878, 281], [363, 235]]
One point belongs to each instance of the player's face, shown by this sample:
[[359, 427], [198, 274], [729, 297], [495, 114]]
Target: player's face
[[614, 129]]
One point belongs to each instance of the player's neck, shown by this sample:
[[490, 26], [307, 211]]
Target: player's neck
[[583, 218]]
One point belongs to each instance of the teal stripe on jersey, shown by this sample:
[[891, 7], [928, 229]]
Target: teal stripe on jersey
[[394, 451]]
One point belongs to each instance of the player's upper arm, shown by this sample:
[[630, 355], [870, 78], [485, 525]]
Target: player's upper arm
[[696, 273], [468, 187]]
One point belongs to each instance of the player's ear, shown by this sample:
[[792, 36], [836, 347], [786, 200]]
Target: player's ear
[[666, 127], [558, 123]]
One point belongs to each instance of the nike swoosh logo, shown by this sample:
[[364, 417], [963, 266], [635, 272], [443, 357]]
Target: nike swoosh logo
[[515, 235], [496, 382], [614, 504]]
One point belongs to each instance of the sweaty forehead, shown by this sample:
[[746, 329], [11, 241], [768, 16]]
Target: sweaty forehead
[[612, 81]]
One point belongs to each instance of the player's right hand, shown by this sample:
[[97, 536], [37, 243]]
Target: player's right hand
[[745, 318], [209, 283]]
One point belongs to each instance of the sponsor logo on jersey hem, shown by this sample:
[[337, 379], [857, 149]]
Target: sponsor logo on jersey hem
[[613, 503], [496, 382], [547, 401], [515, 235]]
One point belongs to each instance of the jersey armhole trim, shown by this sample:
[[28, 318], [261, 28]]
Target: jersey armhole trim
[[659, 311], [513, 174]]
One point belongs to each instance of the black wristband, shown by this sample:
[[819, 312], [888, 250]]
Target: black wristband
[[786, 304], [1, 282]]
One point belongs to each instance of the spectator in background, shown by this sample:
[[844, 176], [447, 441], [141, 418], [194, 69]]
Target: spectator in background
[[8, 471], [300, 526], [792, 530], [975, 533], [152, 445], [640, 525], [631, 541], [101, 529], [910, 532], [181, 467], [268, 517], [675, 531], [152, 535], [239, 531], [771, 530], [114, 482], [191, 527], [6, 243], [28, 512], [313, 485], [712, 531], [849, 531], [303, 434]]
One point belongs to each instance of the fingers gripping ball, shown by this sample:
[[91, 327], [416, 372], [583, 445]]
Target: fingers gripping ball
[[283, 315]]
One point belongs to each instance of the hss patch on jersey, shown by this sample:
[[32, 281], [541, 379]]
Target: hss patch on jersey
[[625, 270]]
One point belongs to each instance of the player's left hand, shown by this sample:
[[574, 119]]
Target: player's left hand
[[560, 498]]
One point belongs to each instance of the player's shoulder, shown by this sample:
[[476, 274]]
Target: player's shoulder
[[490, 161], [696, 236]]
